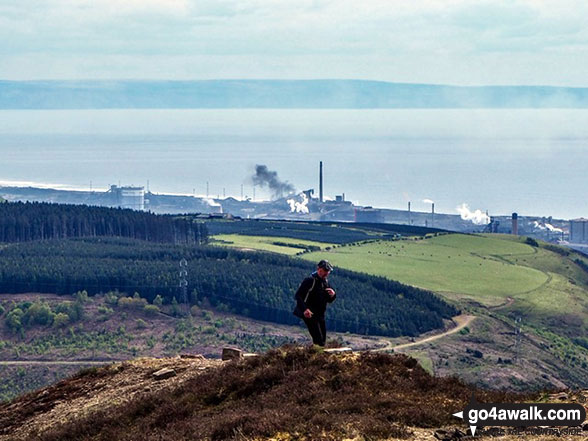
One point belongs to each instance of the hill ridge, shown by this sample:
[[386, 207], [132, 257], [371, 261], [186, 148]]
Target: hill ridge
[[230, 399], [278, 94]]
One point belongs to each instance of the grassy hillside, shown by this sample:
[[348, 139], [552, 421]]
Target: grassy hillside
[[455, 265], [504, 279], [487, 269], [509, 283], [283, 245], [491, 270]]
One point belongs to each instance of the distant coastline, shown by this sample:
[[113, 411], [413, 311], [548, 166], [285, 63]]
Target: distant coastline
[[279, 94]]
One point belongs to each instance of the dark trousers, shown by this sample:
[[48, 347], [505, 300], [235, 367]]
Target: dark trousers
[[317, 328]]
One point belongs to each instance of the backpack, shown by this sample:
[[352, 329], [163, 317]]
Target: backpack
[[297, 312]]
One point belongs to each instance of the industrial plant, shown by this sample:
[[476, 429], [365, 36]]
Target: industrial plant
[[288, 204]]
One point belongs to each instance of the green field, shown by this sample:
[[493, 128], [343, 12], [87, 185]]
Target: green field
[[267, 243], [488, 269], [456, 265]]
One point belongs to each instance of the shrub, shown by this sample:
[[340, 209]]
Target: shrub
[[13, 319], [581, 264], [132, 302], [194, 296], [111, 297], [150, 309], [141, 324], [60, 320], [105, 310], [557, 249], [24, 305], [175, 310], [39, 313], [532, 242], [158, 300], [74, 310], [81, 296], [475, 353], [222, 307], [582, 341]]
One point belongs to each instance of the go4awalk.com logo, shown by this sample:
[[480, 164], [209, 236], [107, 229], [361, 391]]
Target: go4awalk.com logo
[[522, 414]]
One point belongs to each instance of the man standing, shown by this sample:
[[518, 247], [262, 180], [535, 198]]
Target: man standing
[[311, 301]]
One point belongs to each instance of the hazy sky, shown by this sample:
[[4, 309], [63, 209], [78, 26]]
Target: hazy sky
[[430, 41]]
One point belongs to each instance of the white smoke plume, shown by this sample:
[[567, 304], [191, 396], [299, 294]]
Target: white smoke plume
[[547, 226], [428, 201], [553, 229], [476, 217], [298, 207], [212, 203]]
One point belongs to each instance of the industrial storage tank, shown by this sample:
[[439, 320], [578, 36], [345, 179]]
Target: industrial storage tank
[[579, 230], [129, 197]]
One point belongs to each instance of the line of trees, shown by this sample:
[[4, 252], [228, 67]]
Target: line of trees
[[329, 232], [25, 221], [314, 231], [257, 285]]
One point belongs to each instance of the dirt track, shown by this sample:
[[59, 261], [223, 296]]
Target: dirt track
[[461, 321], [56, 362]]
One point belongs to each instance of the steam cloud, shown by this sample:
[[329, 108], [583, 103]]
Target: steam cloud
[[263, 176], [476, 217], [299, 207], [428, 201], [547, 226]]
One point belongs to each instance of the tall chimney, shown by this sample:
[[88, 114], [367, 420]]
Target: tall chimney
[[321, 182], [515, 224], [409, 220], [432, 215]]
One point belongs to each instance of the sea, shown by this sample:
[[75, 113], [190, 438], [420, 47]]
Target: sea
[[529, 161]]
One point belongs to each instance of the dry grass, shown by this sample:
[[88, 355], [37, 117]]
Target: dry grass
[[303, 392]]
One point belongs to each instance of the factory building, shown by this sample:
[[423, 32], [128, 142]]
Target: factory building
[[368, 214], [129, 197], [579, 230]]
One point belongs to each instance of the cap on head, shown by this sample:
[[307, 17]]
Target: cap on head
[[326, 265]]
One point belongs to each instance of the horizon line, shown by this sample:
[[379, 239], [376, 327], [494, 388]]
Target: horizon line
[[193, 80]]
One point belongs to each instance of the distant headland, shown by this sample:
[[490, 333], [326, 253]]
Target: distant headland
[[278, 94]]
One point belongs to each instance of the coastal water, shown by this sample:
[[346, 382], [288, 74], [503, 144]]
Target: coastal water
[[528, 161]]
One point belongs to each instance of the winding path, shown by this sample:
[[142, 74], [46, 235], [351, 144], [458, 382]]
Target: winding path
[[461, 321]]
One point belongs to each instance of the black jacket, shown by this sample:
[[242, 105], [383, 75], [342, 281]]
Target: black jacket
[[312, 295]]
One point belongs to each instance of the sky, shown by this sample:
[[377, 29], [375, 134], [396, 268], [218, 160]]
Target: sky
[[462, 42]]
